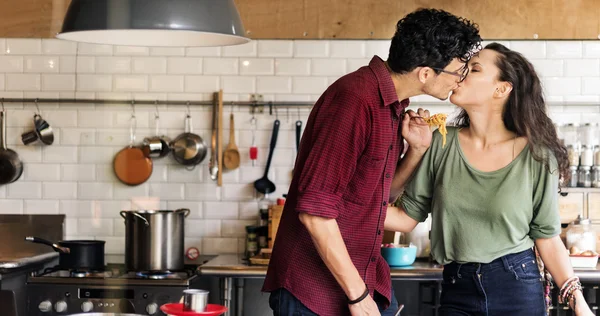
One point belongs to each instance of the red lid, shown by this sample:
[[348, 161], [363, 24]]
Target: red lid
[[192, 253], [280, 201], [177, 310]]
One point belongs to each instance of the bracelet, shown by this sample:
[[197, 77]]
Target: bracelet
[[362, 297]]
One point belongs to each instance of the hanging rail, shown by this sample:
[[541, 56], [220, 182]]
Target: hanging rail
[[155, 102]]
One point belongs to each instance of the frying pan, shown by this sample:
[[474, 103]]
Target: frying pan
[[188, 148], [11, 167], [131, 165]]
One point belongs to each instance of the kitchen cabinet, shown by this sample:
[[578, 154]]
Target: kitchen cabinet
[[354, 19], [570, 205]]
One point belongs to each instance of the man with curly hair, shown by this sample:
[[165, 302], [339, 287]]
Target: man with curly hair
[[326, 258]]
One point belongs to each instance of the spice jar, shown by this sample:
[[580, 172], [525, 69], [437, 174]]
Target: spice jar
[[581, 234], [587, 156], [584, 177], [573, 180], [596, 177], [251, 241], [573, 156], [597, 156]]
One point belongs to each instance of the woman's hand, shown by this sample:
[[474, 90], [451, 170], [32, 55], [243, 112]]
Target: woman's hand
[[581, 307]]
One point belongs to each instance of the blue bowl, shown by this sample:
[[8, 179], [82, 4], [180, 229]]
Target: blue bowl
[[398, 257]]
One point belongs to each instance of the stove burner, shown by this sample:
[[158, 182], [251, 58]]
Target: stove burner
[[158, 275], [90, 274]]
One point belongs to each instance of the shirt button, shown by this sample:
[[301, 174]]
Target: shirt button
[[372, 259], [379, 232], [391, 147], [388, 175], [384, 203]]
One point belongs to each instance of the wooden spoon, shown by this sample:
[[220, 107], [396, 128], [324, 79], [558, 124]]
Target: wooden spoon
[[231, 157]]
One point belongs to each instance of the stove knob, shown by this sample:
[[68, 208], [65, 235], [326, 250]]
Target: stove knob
[[151, 309], [60, 306], [45, 306], [87, 306]]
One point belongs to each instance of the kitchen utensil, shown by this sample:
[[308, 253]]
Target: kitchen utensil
[[253, 149], [399, 256], [213, 165], [131, 165], [11, 167], [154, 239], [42, 131], [264, 185], [156, 146], [298, 133], [231, 158], [220, 139], [188, 148], [177, 309], [76, 254], [400, 308], [195, 300]]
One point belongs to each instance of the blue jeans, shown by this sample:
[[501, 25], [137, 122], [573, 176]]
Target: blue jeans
[[510, 285], [283, 303]]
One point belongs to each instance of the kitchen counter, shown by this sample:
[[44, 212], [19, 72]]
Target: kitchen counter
[[21, 260], [235, 266], [422, 270]]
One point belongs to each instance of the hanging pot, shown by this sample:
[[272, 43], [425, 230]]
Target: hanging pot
[[188, 148], [11, 167], [131, 165]]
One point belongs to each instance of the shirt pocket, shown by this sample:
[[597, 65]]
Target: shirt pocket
[[366, 180]]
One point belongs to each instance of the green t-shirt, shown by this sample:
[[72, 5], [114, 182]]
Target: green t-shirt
[[480, 216]]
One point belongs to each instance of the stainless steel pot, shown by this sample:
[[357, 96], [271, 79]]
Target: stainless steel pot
[[154, 239]]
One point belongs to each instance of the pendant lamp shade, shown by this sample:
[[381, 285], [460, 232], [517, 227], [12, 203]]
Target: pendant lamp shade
[[167, 23]]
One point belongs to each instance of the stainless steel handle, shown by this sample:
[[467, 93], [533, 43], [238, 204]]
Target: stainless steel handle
[[56, 247], [185, 210], [135, 214]]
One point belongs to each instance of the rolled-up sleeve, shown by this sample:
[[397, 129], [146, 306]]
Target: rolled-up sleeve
[[338, 138], [416, 199], [546, 218]]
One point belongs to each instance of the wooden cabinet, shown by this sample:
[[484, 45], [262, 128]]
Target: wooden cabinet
[[353, 19], [570, 206]]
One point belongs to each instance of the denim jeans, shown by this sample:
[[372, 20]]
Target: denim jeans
[[510, 285], [283, 303]]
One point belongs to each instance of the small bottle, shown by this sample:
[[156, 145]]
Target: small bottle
[[263, 210], [251, 241]]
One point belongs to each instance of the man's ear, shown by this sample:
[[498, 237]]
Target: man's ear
[[425, 73]]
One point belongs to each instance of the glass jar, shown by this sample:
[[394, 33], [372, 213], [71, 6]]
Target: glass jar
[[596, 177], [587, 135], [597, 156], [573, 156], [263, 210], [584, 177], [573, 180], [587, 156], [570, 135], [251, 241], [581, 236]]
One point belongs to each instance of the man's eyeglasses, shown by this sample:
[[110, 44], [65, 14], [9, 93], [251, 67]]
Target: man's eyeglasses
[[462, 74]]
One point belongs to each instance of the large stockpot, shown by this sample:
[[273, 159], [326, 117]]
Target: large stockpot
[[154, 239]]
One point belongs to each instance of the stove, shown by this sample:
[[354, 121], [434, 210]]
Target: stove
[[56, 291]]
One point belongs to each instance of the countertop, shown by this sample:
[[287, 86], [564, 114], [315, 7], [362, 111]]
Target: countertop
[[422, 270], [235, 266], [21, 260]]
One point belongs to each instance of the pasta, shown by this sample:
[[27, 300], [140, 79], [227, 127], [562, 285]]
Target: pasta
[[439, 120]]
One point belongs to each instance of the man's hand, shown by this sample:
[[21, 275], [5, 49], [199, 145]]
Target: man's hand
[[366, 307], [416, 131]]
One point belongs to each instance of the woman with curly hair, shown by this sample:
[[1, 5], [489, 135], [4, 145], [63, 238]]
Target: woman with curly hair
[[492, 192]]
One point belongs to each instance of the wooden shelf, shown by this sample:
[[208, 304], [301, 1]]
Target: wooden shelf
[[579, 190]]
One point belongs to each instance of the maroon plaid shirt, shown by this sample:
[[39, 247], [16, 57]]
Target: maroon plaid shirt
[[347, 159]]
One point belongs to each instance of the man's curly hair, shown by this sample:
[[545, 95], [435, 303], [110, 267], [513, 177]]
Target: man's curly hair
[[432, 38]]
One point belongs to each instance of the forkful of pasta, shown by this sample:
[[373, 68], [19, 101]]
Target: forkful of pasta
[[439, 121]]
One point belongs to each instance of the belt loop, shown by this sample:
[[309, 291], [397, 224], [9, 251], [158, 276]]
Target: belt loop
[[458, 271], [507, 265]]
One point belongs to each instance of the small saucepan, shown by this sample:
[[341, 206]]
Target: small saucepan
[[156, 146], [188, 148], [76, 254]]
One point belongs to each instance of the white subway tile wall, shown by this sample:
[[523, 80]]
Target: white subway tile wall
[[74, 176]]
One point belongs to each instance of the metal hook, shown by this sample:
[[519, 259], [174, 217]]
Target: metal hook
[[3, 105], [156, 109], [231, 109], [132, 108], [36, 106], [188, 108]]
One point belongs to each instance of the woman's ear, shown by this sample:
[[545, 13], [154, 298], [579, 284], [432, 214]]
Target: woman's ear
[[503, 90]]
